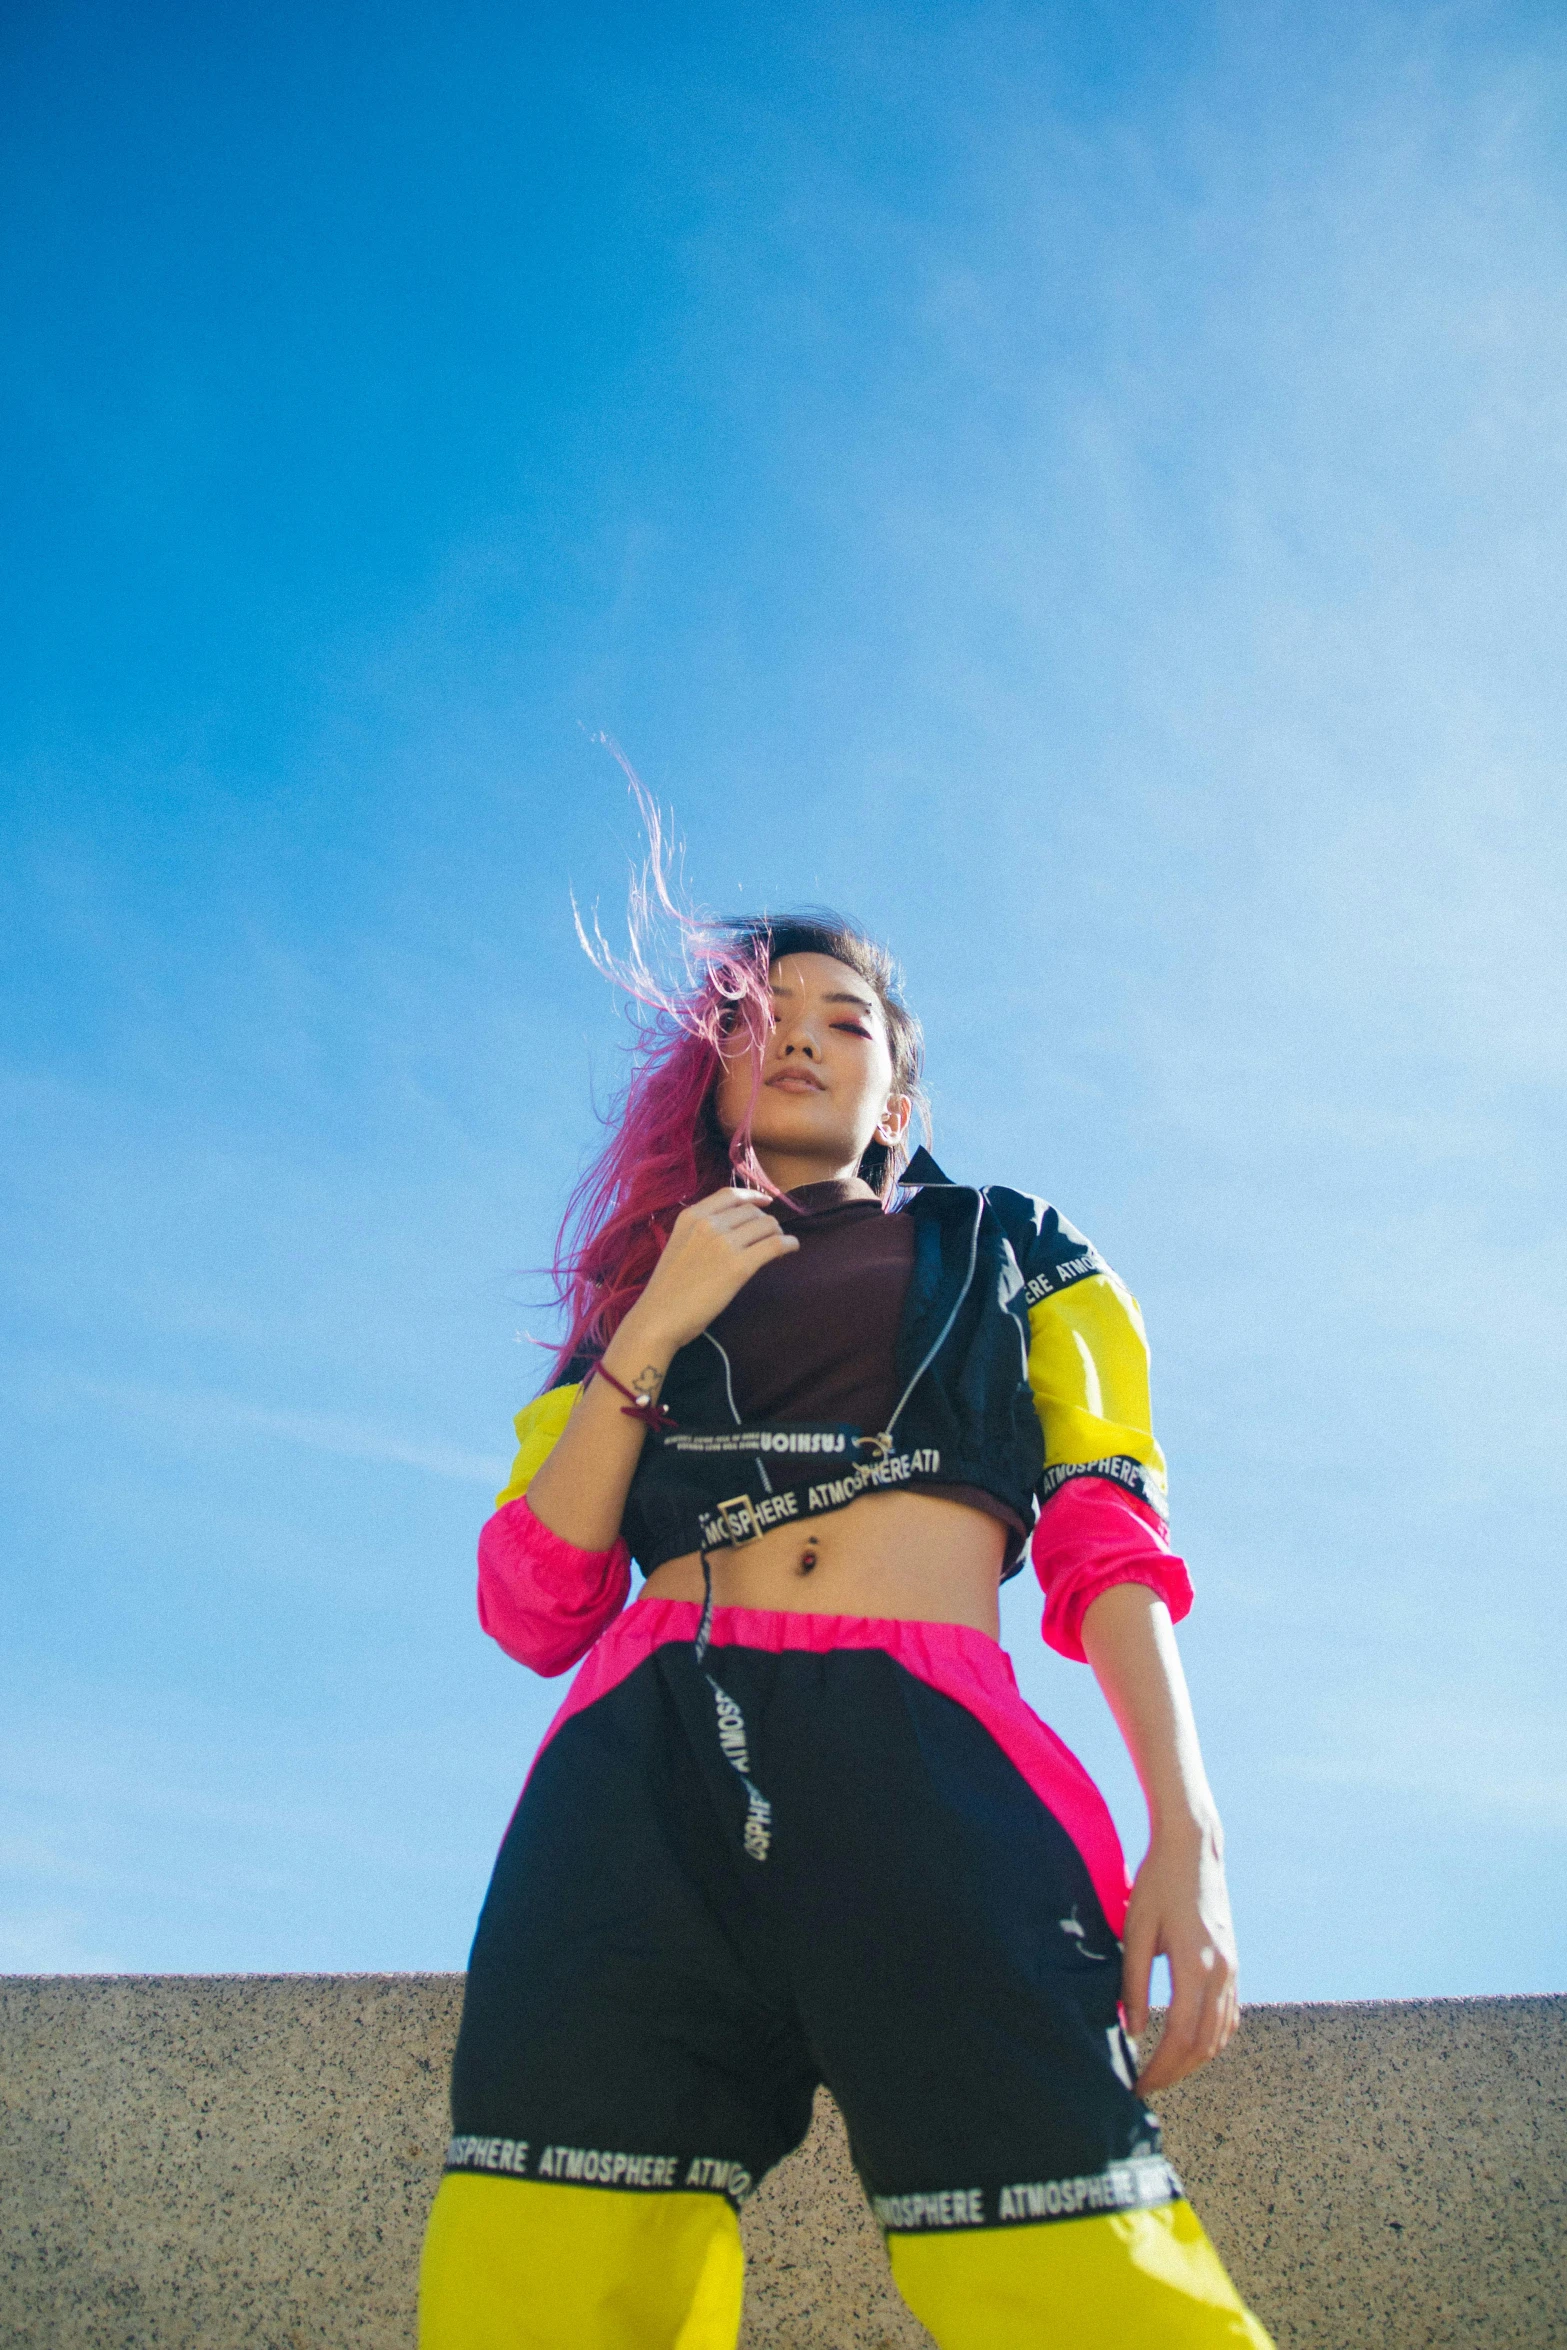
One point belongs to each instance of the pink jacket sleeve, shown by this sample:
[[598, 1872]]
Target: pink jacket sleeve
[[1093, 1533], [545, 1601]]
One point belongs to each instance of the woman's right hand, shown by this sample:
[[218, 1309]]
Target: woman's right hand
[[714, 1248], [716, 1245]]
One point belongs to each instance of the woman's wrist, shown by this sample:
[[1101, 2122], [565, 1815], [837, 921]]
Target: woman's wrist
[[1187, 1823], [641, 1351]]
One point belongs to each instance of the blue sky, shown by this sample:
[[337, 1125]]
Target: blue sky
[[1081, 487]]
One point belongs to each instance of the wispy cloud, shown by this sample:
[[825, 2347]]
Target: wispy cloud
[[199, 1415], [1511, 1765], [52, 1942]]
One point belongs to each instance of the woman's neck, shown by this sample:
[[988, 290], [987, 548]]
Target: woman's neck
[[791, 1173], [814, 1199]]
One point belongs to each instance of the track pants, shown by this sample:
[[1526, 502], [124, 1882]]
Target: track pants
[[805, 1849]]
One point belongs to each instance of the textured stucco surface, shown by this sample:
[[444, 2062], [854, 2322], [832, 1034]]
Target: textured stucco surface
[[220, 2161]]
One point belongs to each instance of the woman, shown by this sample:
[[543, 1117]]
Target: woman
[[793, 1823]]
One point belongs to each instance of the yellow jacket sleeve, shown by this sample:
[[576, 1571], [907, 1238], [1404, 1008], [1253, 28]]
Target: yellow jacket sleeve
[[1088, 1373], [538, 1428]]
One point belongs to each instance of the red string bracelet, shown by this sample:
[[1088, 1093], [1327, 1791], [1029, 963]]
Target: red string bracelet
[[636, 1407]]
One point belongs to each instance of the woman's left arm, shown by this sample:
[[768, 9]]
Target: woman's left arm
[[1180, 1905]]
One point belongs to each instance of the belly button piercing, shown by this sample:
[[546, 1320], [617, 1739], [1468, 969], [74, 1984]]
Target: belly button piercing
[[808, 1558]]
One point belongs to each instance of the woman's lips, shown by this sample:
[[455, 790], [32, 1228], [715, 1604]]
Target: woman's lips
[[795, 1081]]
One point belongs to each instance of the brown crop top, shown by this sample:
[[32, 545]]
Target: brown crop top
[[811, 1337]]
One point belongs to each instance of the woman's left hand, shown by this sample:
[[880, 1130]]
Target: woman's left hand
[[1180, 1910], [1180, 1907]]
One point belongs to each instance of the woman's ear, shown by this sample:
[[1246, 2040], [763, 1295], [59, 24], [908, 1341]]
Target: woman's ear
[[893, 1124]]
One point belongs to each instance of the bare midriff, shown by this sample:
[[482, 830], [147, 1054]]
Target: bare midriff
[[910, 1556]]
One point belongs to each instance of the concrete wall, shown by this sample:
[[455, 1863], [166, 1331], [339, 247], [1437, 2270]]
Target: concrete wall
[[219, 2161]]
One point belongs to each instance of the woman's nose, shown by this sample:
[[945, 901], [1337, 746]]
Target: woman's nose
[[799, 1041]]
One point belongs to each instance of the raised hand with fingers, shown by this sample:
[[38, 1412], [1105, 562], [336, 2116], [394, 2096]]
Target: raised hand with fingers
[[714, 1248]]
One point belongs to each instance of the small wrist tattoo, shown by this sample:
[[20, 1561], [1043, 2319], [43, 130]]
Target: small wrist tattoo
[[639, 1403]]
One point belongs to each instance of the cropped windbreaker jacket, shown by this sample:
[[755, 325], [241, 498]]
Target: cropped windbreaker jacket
[[1021, 1368]]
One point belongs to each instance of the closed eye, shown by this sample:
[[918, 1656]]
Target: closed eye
[[853, 1028]]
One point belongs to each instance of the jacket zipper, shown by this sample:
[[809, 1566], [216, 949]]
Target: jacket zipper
[[883, 1442], [729, 1390]]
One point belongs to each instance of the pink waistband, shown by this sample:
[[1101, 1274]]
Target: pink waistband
[[965, 1665]]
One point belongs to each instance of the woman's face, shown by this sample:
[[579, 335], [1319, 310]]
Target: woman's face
[[826, 1073]]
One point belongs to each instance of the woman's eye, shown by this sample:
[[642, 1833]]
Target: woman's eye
[[853, 1028]]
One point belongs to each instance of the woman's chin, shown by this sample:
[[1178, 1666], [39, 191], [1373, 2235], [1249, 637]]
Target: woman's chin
[[805, 1134]]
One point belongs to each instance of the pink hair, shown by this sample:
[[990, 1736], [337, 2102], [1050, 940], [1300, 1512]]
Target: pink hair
[[665, 1147]]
